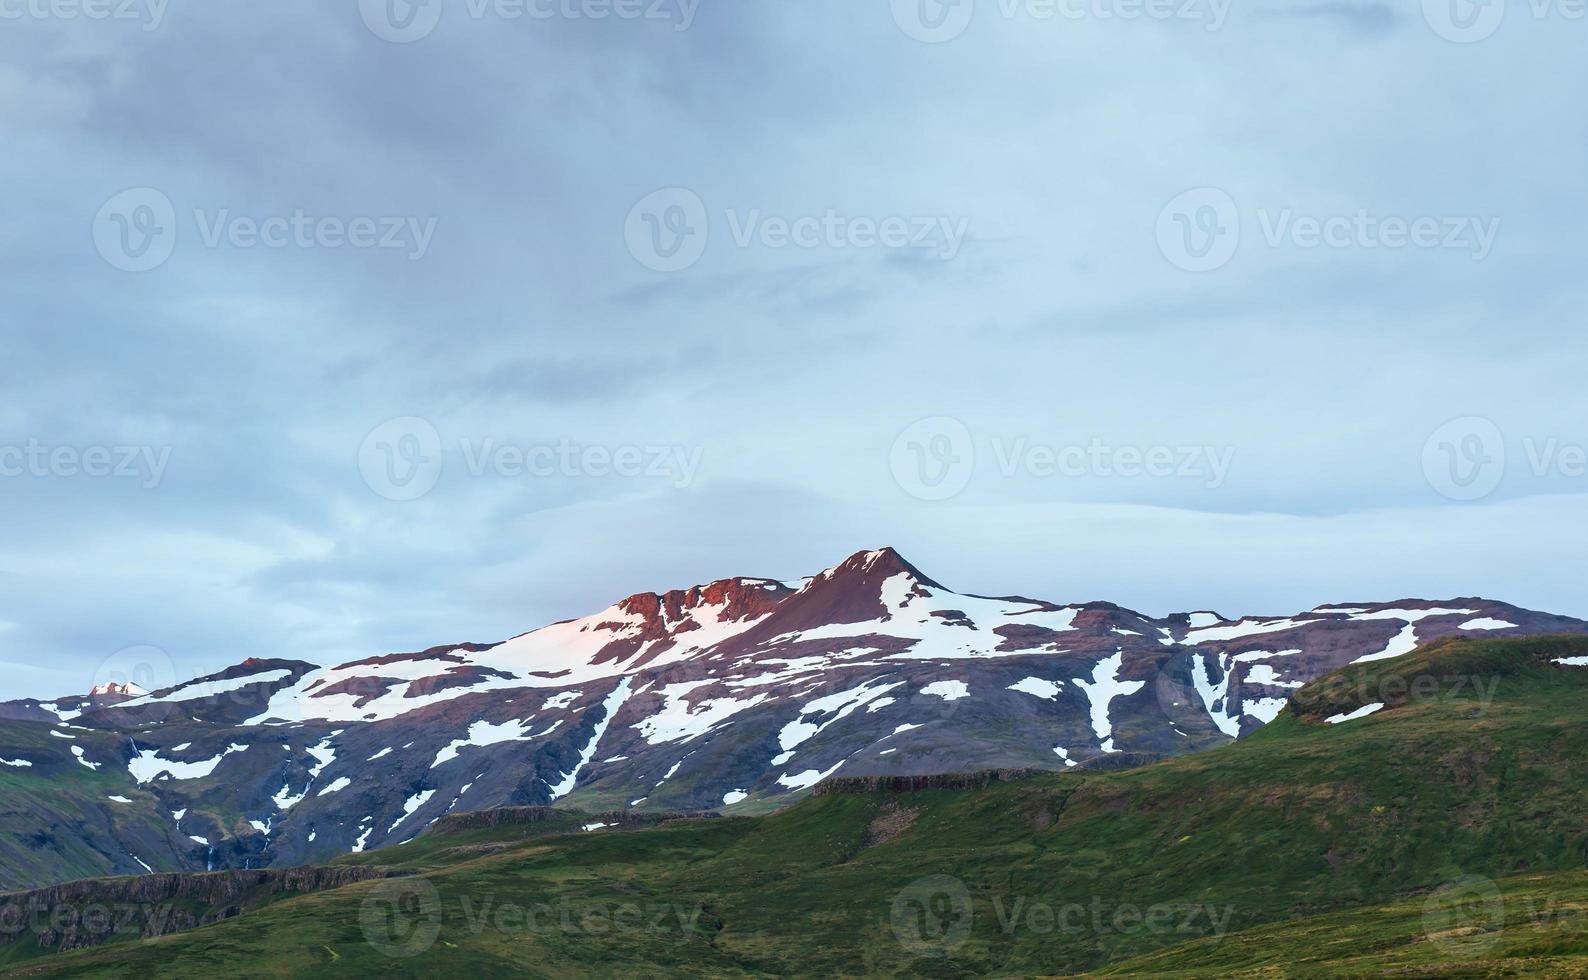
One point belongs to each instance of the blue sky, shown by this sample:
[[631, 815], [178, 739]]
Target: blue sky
[[336, 328]]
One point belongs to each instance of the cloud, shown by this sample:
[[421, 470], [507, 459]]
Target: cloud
[[1364, 19], [789, 369]]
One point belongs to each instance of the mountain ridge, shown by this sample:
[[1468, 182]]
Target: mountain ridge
[[739, 695], [1456, 803]]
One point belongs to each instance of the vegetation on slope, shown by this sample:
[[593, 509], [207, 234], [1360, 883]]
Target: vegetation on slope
[[1470, 768]]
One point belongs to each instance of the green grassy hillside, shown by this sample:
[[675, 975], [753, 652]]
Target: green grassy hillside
[[1526, 925], [1471, 767]]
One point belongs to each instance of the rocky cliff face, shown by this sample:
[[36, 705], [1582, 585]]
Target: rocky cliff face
[[93, 912], [742, 693]]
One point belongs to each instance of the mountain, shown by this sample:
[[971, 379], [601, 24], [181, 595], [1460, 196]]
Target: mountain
[[1418, 815], [740, 695]]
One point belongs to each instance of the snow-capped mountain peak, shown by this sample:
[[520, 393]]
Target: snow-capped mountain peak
[[127, 690], [742, 688]]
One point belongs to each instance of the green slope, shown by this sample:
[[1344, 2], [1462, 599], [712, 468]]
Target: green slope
[[1471, 768], [1527, 925]]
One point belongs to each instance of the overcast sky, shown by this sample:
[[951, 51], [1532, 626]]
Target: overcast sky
[[332, 328]]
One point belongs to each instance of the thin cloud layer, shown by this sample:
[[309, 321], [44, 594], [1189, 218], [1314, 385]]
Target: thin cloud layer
[[1249, 308]]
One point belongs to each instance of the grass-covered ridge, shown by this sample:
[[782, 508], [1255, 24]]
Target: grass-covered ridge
[[1471, 768], [1524, 925]]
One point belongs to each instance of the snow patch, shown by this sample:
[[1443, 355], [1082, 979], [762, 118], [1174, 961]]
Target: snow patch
[[947, 690], [198, 690], [483, 733], [147, 765], [806, 779], [910, 613], [610, 707], [563, 700], [1361, 712], [679, 720], [1265, 674], [337, 786], [412, 804], [1484, 623], [842, 704], [1101, 691], [1037, 687], [1406, 640]]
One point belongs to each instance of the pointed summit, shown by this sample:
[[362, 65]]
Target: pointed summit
[[112, 689], [849, 592], [881, 564]]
